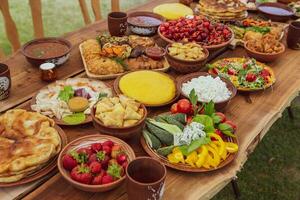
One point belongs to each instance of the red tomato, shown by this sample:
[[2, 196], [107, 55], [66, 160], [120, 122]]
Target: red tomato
[[250, 77], [189, 119], [230, 123], [231, 72], [184, 106], [265, 73], [174, 108], [222, 117]]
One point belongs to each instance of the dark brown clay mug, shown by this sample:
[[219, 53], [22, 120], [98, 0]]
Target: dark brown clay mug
[[117, 23], [293, 35], [145, 179], [5, 81]]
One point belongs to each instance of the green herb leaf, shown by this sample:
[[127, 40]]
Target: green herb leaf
[[216, 118], [198, 143], [228, 133], [225, 127], [209, 108], [207, 121], [66, 94], [121, 62], [101, 95], [194, 99]]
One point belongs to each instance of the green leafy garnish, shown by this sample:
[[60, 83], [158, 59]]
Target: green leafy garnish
[[79, 157], [194, 99], [121, 62], [66, 94], [209, 108], [207, 122], [101, 95], [74, 119], [114, 170], [198, 143], [259, 29]]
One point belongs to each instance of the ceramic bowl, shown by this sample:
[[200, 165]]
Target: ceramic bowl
[[220, 106], [277, 17], [210, 48], [87, 141], [119, 132], [264, 57], [185, 66], [143, 30], [57, 60]]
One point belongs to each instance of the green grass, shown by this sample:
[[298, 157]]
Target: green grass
[[272, 171]]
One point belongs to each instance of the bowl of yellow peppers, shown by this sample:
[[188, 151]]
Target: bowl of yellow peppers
[[193, 138]]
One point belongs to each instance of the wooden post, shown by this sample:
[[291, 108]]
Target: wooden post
[[85, 12], [96, 9], [10, 26], [36, 13], [115, 5]]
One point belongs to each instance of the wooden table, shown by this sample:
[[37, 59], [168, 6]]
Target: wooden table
[[253, 118]]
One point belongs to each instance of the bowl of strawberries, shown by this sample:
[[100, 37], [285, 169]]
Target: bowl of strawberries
[[95, 163]]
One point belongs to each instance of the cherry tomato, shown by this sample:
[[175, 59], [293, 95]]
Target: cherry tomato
[[250, 77], [218, 132], [265, 73], [231, 72], [222, 117], [230, 123], [189, 119], [184, 106], [174, 108]]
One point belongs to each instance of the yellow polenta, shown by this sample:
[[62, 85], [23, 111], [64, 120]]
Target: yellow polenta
[[148, 87]]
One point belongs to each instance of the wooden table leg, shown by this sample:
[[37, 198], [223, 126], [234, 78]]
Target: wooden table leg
[[290, 112], [235, 187]]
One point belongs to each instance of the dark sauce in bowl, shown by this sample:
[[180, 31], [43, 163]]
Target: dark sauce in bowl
[[44, 50], [144, 21]]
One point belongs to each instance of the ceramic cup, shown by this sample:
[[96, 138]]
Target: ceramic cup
[[293, 36], [117, 23], [145, 179], [5, 81]]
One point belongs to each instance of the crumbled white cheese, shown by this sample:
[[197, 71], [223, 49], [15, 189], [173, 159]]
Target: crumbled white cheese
[[207, 88], [191, 132]]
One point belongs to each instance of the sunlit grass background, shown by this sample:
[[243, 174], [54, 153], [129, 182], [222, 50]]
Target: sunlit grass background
[[272, 171]]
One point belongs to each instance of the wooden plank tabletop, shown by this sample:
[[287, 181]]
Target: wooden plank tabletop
[[253, 120]]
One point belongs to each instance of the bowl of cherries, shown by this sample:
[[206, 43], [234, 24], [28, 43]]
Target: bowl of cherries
[[211, 35], [95, 163]]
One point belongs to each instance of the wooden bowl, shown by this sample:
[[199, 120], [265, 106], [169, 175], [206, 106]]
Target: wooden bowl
[[185, 66], [186, 167], [277, 17], [119, 132], [264, 57], [210, 48], [45, 168], [57, 60], [219, 105], [86, 141], [118, 91], [144, 30]]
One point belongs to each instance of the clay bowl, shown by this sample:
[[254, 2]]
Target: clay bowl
[[264, 57], [84, 142], [119, 132], [58, 59], [142, 29], [220, 106], [186, 66], [210, 48], [273, 15]]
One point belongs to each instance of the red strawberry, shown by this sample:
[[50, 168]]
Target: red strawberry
[[115, 150], [108, 143], [96, 147], [69, 162], [87, 151], [106, 149], [104, 163], [124, 165], [121, 158], [97, 180], [82, 174], [107, 179], [95, 167], [92, 158]]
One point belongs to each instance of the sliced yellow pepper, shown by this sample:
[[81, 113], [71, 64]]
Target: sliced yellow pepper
[[176, 149], [202, 156], [192, 158], [207, 162], [176, 157], [231, 147], [215, 157], [221, 143]]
